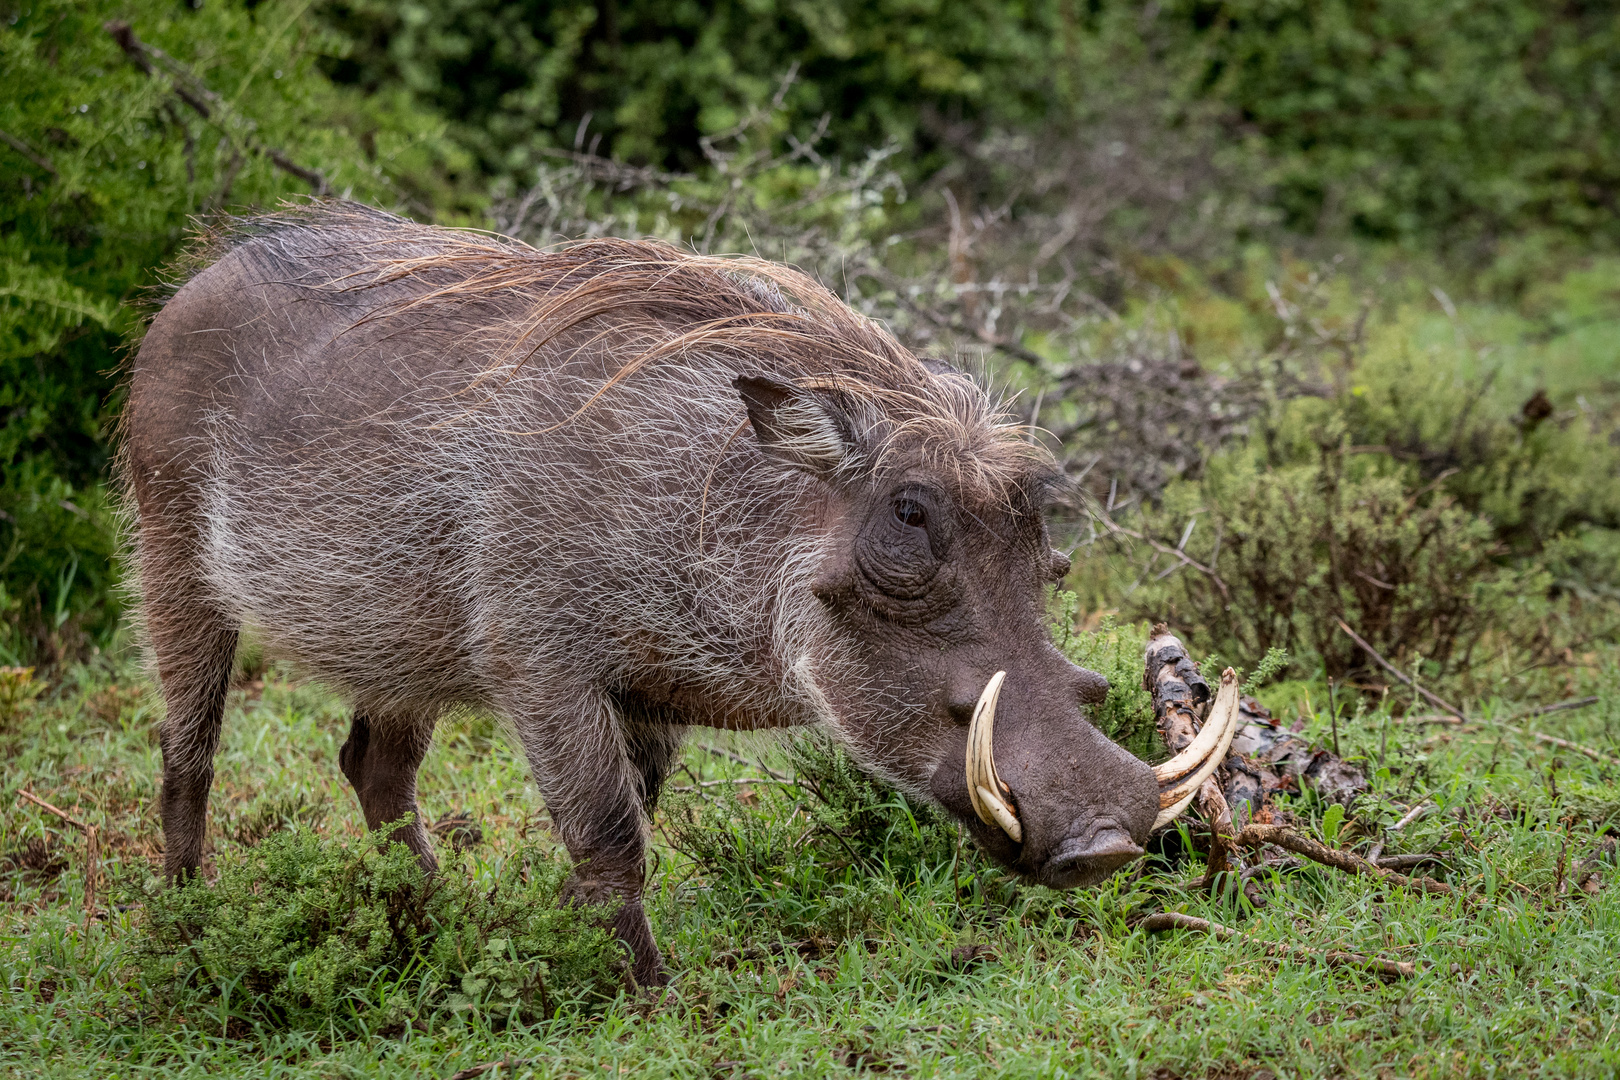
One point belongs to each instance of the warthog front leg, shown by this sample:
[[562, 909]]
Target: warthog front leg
[[380, 759], [598, 781]]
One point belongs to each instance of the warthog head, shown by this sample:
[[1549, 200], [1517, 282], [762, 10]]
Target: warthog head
[[935, 559]]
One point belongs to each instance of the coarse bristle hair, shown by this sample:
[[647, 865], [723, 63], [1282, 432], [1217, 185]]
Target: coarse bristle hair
[[660, 303]]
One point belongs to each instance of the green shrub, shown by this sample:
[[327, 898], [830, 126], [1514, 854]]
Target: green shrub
[[825, 855], [308, 933], [103, 169], [1446, 512]]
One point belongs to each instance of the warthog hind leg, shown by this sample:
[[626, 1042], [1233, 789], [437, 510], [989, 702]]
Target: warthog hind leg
[[380, 759], [194, 645]]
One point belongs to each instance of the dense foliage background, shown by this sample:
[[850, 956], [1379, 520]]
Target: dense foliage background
[[1256, 237]]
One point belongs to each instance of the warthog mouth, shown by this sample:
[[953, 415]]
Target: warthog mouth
[[1081, 859]]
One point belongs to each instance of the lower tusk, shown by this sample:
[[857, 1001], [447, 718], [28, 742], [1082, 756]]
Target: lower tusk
[[1223, 719], [982, 781], [1002, 813], [1195, 754]]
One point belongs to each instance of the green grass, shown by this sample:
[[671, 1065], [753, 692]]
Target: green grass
[[813, 959]]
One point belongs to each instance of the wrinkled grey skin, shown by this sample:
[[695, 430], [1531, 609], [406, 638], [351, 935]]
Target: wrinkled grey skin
[[371, 467]]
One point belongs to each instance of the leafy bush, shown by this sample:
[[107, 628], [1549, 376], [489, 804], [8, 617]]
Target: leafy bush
[[103, 167], [1115, 652], [304, 932]]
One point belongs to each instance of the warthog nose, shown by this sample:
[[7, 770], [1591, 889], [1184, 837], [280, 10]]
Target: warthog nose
[[1080, 861]]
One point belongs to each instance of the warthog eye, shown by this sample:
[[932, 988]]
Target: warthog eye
[[910, 513]]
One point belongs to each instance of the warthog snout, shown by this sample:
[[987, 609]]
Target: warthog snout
[[1079, 806]]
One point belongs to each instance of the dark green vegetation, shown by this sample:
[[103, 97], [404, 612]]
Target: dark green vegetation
[[1319, 304], [1110, 155], [815, 922]]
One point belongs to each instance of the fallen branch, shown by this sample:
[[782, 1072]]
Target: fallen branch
[[1288, 839], [506, 1063], [1433, 718], [1174, 920], [92, 850], [1575, 703], [1596, 755], [1393, 670]]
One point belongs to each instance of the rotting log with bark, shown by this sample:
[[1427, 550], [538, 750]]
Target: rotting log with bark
[[1264, 758]]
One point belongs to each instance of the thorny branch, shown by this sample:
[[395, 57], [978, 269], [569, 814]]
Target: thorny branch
[[1164, 549]]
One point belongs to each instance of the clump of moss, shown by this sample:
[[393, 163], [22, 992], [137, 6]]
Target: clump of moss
[[305, 932]]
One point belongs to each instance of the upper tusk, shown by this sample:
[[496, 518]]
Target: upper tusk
[[984, 786], [1223, 721]]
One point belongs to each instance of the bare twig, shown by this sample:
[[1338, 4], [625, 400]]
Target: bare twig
[[740, 760], [1407, 862], [1164, 549], [92, 850], [203, 101], [1411, 815], [1175, 920], [1595, 755], [28, 152], [58, 811], [1284, 837], [1524, 714], [505, 1063], [700, 784], [1574, 703], [1393, 670]]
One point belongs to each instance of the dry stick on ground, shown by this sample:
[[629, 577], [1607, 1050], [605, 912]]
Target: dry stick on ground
[[1393, 670], [1543, 710], [1288, 839], [1173, 920], [1596, 755], [92, 850], [504, 1064], [1576, 703]]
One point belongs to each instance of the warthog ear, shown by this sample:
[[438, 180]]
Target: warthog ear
[[799, 427]]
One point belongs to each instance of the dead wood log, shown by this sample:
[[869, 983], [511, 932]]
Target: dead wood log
[[1264, 758]]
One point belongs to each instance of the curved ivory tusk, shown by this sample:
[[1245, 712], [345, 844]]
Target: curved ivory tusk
[[983, 784], [1195, 754], [1003, 815], [1223, 720]]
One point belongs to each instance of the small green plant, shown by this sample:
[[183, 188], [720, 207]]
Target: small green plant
[[304, 932], [1271, 665], [1332, 819], [1113, 650]]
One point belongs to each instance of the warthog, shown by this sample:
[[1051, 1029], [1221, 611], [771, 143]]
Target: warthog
[[608, 492]]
